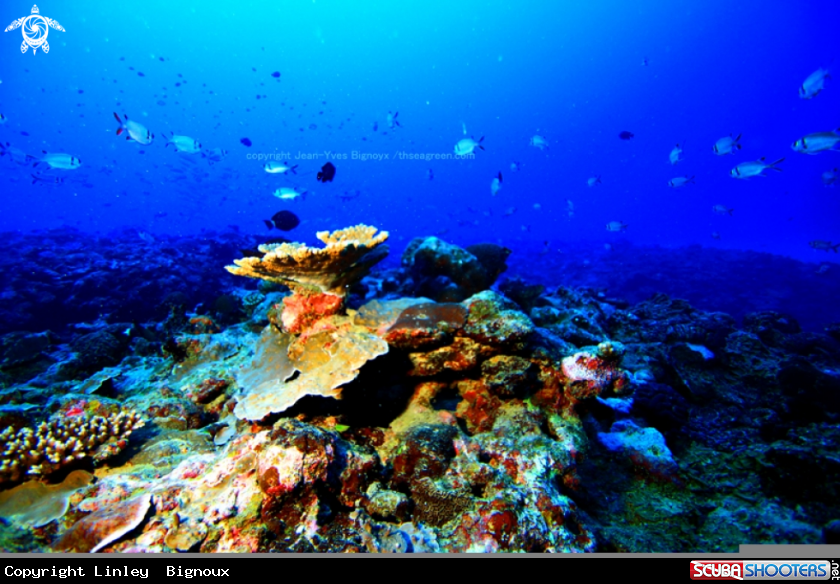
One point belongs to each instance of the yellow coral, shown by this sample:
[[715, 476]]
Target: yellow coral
[[326, 359], [348, 256]]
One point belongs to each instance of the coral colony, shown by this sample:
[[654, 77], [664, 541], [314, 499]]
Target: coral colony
[[411, 409]]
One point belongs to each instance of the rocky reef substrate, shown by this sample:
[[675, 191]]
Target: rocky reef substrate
[[449, 409]]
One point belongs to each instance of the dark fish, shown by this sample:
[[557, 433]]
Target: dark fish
[[375, 126], [160, 59], [268, 223], [251, 253], [278, 240], [285, 220], [39, 179], [24, 133], [625, 135], [81, 91], [313, 127], [246, 142], [276, 74], [141, 74], [327, 173]]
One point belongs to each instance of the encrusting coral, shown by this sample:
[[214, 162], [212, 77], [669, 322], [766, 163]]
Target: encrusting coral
[[319, 278], [57, 443]]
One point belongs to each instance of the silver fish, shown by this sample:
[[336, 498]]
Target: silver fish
[[496, 184], [184, 144], [288, 194], [136, 132], [680, 181], [818, 142], [722, 210], [60, 160], [815, 83], [277, 168], [539, 142], [830, 177], [676, 155], [754, 168], [727, 145], [616, 226], [467, 145]]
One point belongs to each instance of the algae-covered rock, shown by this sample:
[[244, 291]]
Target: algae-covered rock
[[34, 504], [494, 320]]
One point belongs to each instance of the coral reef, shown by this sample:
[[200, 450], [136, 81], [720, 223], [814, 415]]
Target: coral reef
[[519, 419]]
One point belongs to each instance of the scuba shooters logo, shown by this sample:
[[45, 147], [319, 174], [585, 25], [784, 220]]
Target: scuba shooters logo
[[35, 29], [761, 570]]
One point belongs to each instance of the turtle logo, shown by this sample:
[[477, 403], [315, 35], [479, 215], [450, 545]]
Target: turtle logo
[[35, 29]]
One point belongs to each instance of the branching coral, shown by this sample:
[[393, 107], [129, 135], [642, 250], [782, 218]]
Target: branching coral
[[60, 441]]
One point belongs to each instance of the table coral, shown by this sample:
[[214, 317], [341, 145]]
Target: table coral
[[318, 277], [60, 441]]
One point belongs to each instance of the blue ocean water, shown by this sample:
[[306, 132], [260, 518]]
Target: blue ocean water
[[571, 72]]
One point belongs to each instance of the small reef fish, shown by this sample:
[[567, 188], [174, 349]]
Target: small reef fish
[[392, 120], [515, 166], [509, 211], [722, 210], [818, 142], [16, 155], [467, 145], [2, 119], [59, 160], [830, 177], [815, 83], [464, 128], [824, 245], [278, 168], [539, 142], [135, 131], [616, 226], [676, 154], [57, 180], [754, 168], [496, 184], [430, 174], [288, 194], [680, 181], [570, 207], [625, 135], [727, 145], [184, 144], [215, 155], [715, 235], [822, 269], [595, 180]]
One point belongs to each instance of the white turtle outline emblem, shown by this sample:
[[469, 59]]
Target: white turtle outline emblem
[[35, 30]]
